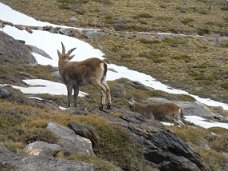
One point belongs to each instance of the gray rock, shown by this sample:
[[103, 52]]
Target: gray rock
[[92, 34], [37, 50], [158, 100], [15, 49], [84, 131], [4, 93], [69, 141], [16, 162], [79, 110], [195, 108], [162, 147], [41, 148], [118, 92], [138, 85]]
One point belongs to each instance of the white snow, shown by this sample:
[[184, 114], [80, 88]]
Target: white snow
[[62, 108], [40, 86], [204, 123], [167, 124], [50, 42], [8, 14], [37, 98]]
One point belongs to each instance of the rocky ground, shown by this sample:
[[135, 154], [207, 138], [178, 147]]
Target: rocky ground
[[36, 134]]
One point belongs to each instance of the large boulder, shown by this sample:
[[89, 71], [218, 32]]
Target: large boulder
[[41, 148], [84, 131], [16, 162], [69, 141], [162, 147], [15, 49]]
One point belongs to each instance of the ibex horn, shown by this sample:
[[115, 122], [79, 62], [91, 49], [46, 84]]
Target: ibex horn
[[63, 48], [70, 51]]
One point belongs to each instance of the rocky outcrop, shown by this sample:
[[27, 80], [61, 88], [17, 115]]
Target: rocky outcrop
[[41, 148], [162, 148], [84, 131], [15, 49], [16, 162], [70, 142]]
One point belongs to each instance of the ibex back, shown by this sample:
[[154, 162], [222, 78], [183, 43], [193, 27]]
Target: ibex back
[[90, 71]]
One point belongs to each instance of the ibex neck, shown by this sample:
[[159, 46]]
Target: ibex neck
[[61, 64]]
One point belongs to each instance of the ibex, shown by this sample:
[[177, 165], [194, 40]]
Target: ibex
[[90, 71], [161, 111]]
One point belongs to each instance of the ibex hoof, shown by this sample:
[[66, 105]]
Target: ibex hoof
[[101, 107], [109, 106]]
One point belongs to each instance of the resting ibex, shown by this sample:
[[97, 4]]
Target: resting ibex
[[161, 111], [90, 71]]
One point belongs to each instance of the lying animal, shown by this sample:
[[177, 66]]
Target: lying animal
[[162, 111]]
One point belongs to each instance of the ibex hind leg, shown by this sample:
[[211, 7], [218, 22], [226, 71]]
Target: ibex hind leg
[[76, 92], [102, 89], [108, 95]]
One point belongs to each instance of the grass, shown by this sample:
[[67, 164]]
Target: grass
[[189, 63], [160, 16], [100, 163], [215, 138], [8, 67], [19, 128]]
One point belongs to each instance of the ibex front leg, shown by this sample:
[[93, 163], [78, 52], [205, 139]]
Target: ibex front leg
[[76, 91], [69, 92]]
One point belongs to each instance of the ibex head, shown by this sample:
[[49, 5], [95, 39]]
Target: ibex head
[[131, 103], [66, 57]]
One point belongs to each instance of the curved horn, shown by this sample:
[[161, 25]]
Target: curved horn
[[70, 51], [63, 48]]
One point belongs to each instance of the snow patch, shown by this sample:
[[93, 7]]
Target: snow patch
[[167, 124], [40, 86], [205, 123], [50, 42]]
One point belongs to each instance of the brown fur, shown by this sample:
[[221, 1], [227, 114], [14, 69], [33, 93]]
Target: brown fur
[[161, 111], [90, 71]]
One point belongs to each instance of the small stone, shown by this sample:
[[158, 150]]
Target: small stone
[[41, 148], [4, 93]]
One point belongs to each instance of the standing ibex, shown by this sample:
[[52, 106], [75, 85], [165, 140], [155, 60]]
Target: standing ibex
[[161, 111], [90, 71]]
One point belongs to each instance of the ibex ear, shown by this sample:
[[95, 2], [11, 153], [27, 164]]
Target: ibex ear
[[59, 54], [70, 57]]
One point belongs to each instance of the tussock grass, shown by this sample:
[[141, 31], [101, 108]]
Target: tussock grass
[[215, 138], [21, 124]]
